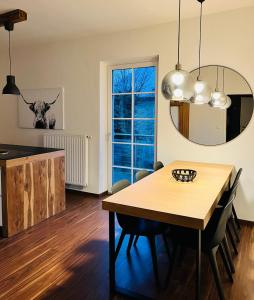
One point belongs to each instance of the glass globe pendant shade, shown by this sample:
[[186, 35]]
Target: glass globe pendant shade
[[218, 99], [202, 92], [228, 103], [177, 85]]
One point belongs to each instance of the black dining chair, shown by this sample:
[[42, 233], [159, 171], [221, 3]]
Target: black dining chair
[[157, 165], [233, 223], [138, 226], [213, 239], [141, 174]]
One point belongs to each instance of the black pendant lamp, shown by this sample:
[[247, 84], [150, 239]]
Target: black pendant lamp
[[10, 88]]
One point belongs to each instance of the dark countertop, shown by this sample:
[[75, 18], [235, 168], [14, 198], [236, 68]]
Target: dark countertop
[[17, 151]]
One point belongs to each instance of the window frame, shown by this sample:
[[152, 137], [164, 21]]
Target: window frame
[[111, 68]]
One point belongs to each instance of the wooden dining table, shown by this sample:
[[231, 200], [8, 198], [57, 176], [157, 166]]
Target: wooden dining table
[[159, 197]]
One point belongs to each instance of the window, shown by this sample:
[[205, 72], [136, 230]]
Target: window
[[133, 95]]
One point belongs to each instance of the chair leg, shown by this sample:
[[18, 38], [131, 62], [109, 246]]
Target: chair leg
[[225, 261], [166, 245], [130, 243], [232, 241], [136, 240], [173, 262], [236, 218], [120, 242], [182, 253], [213, 262], [151, 240], [235, 229], [228, 253]]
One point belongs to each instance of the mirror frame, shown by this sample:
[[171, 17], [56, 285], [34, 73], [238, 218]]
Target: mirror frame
[[184, 109]]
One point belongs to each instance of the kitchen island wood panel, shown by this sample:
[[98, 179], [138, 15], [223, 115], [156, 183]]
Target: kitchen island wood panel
[[33, 189]]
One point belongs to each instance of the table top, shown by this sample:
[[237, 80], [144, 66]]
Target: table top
[[9, 152], [161, 198]]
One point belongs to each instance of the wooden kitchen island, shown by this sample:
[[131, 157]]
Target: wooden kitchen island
[[32, 186]]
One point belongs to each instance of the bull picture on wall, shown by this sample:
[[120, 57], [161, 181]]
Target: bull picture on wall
[[41, 108]]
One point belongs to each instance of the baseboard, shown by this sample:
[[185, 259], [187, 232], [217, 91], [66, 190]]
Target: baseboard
[[246, 222], [102, 195]]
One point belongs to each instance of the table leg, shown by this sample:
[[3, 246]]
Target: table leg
[[198, 265], [111, 253]]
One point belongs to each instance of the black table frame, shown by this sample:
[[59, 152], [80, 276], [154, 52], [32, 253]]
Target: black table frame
[[113, 289]]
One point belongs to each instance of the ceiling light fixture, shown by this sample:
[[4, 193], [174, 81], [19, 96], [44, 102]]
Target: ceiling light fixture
[[8, 20], [178, 85], [219, 99], [10, 88], [202, 91], [228, 100]]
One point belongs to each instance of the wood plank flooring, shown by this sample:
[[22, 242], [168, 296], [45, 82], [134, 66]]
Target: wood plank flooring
[[66, 257]]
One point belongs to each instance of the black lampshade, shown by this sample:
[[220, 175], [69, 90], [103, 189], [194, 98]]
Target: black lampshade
[[11, 88]]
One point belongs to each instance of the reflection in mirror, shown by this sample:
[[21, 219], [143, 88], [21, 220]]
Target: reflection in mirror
[[206, 125]]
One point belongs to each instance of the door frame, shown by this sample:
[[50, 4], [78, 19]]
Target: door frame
[[149, 63]]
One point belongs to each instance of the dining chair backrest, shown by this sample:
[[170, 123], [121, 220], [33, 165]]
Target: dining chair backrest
[[127, 223], [157, 165], [236, 182], [218, 222], [120, 185], [141, 174]]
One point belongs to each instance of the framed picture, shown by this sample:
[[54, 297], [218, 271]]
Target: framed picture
[[41, 108]]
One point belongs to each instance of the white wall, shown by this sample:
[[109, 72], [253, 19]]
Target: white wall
[[77, 65], [207, 126]]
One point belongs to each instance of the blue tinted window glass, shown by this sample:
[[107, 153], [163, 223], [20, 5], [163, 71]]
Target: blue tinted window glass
[[143, 157], [122, 81], [121, 155], [144, 131], [122, 106], [144, 106], [122, 130], [120, 174], [144, 79]]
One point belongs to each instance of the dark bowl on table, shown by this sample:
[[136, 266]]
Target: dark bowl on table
[[184, 175]]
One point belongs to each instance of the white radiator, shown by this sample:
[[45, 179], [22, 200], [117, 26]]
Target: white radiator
[[76, 156]]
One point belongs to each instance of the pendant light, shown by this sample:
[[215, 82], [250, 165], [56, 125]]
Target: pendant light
[[177, 85], [228, 100], [218, 99], [10, 88], [202, 91]]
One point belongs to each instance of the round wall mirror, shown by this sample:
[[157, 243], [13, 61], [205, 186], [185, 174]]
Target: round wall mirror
[[206, 125]]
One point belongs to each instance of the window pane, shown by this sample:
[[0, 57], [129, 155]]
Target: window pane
[[121, 130], [121, 155], [120, 173], [122, 106], [144, 131], [122, 81], [143, 157], [144, 106], [144, 79]]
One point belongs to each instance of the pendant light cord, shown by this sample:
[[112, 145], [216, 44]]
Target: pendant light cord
[[200, 39], [217, 78], [179, 32], [10, 50], [223, 80]]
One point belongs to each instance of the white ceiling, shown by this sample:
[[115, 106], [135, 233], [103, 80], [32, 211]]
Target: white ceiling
[[63, 19]]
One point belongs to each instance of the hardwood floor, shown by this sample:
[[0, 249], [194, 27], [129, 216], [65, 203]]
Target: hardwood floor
[[66, 257]]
